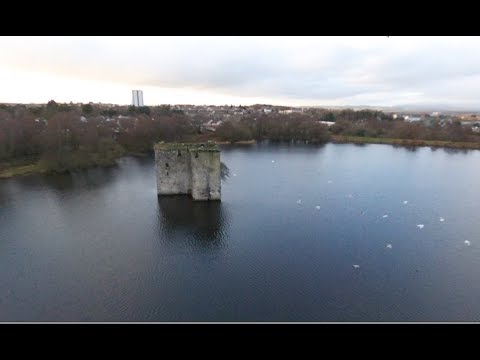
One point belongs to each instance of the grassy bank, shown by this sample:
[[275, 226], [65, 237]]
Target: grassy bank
[[21, 170], [39, 167], [19, 166], [63, 164], [404, 142], [241, 142]]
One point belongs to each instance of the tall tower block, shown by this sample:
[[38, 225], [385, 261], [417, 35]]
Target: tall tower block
[[137, 98]]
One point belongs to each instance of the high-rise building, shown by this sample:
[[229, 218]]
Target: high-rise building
[[137, 98]]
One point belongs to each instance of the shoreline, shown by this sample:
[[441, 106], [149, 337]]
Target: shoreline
[[24, 168], [341, 139], [241, 142]]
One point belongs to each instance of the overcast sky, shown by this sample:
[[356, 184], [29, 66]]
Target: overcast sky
[[292, 71]]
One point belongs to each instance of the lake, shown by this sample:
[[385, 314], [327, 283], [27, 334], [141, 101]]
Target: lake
[[99, 245]]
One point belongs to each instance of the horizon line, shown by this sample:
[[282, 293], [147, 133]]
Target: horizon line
[[382, 107]]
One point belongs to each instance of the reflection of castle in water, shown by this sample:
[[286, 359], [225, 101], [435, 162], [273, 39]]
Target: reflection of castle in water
[[203, 223]]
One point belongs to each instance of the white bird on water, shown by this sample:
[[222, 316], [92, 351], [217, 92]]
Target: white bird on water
[[356, 266], [467, 242], [385, 216], [389, 246], [442, 219], [273, 161], [420, 226], [317, 207], [405, 202]]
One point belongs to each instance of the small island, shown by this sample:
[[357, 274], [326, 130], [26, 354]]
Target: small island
[[192, 169]]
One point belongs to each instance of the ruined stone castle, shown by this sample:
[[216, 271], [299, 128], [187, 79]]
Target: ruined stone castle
[[192, 169]]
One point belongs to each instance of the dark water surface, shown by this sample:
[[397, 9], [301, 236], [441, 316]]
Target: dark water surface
[[99, 245]]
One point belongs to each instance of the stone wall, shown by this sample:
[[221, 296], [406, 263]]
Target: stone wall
[[173, 172], [188, 169], [206, 181]]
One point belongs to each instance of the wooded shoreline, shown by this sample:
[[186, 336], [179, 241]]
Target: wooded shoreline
[[30, 166]]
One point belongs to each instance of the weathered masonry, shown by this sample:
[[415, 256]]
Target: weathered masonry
[[188, 169]]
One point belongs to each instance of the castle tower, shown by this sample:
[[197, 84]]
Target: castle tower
[[192, 169]]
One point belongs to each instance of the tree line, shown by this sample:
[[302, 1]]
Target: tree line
[[366, 123], [62, 137]]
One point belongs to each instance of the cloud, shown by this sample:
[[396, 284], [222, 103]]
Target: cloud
[[310, 70]]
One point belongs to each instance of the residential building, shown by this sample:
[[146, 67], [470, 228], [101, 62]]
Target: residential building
[[137, 98]]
